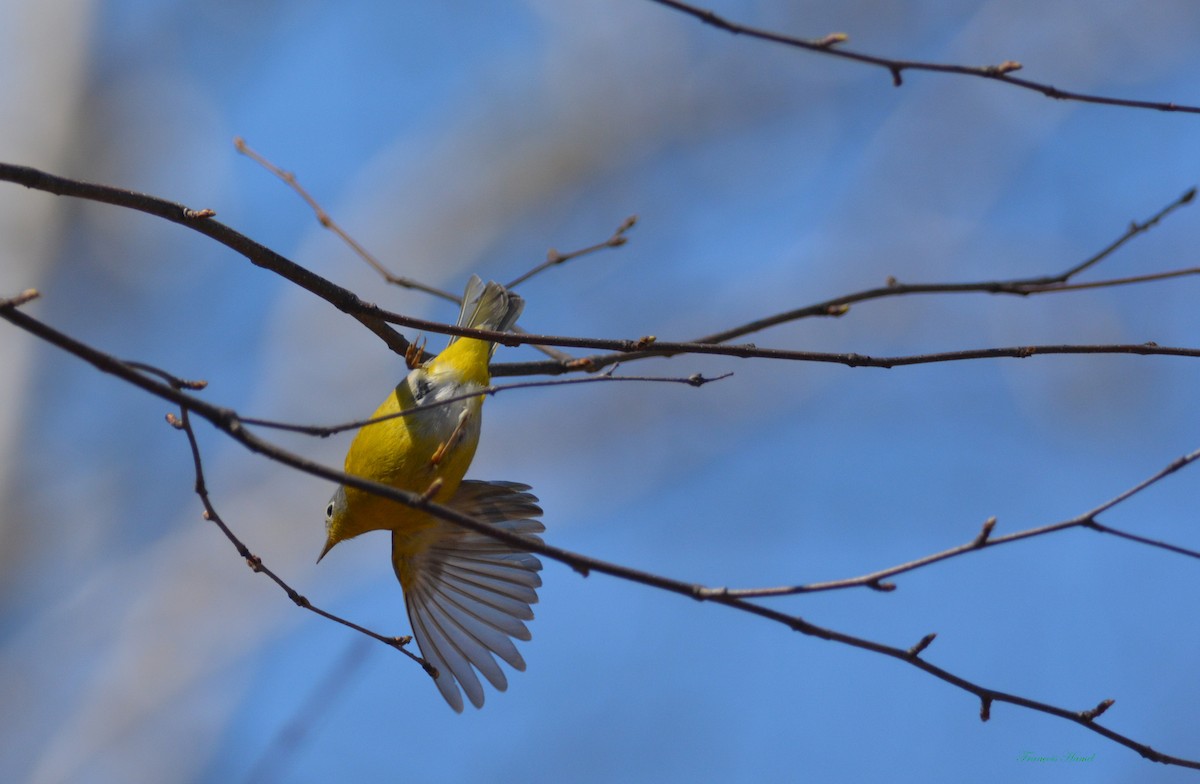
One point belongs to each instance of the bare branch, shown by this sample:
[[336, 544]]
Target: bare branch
[[323, 217], [554, 258], [840, 306], [985, 540], [183, 422], [626, 350], [1042, 284], [1134, 229], [694, 380], [228, 421], [201, 221], [831, 45], [377, 320]]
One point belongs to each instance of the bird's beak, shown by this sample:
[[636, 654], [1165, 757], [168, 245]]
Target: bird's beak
[[329, 543]]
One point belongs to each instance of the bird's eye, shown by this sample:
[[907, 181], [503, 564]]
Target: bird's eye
[[329, 510], [421, 387]]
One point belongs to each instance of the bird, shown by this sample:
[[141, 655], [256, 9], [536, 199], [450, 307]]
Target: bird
[[468, 596]]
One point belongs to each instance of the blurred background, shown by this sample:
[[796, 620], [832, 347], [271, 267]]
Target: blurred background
[[456, 138]]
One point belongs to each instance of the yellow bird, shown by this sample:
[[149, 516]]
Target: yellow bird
[[466, 594]]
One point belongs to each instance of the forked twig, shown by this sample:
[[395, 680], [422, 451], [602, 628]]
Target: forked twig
[[323, 217], [555, 258], [984, 539]]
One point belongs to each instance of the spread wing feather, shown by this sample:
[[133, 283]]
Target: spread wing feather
[[468, 594]]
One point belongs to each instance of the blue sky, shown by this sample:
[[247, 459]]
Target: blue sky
[[461, 138]]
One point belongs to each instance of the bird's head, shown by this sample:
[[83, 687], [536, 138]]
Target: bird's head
[[335, 515]]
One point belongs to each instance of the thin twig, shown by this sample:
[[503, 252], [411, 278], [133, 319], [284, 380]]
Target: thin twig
[[694, 380], [1149, 277], [1001, 72], [626, 350], [183, 422], [1134, 229], [323, 217], [1023, 287], [326, 220], [985, 539], [554, 258]]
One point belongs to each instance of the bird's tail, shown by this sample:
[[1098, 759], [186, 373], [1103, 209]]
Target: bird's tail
[[468, 595], [489, 306]]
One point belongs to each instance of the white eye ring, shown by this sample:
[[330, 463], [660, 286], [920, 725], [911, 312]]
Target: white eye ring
[[329, 510]]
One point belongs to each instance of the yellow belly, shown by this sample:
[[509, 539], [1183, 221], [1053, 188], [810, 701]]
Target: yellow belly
[[410, 453]]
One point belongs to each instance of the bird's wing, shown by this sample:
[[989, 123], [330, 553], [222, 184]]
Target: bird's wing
[[468, 594]]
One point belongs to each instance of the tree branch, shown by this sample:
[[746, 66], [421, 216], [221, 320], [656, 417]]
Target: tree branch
[[228, 421], [377, 319], [201, 221], [326, 221], [831, 45], [984, 540], [694, 380]]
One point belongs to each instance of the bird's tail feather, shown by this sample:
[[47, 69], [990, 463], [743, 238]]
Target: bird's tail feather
[[489, 306]]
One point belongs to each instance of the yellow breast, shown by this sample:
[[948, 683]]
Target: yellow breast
[[433, 443]]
